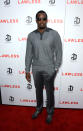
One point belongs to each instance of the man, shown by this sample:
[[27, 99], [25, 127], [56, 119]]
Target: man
[[44, 52]]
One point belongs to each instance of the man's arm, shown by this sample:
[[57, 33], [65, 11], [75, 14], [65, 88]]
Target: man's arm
[[28, 58], [58, 51]]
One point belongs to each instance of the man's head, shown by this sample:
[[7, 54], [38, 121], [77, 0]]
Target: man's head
[[41, 19]]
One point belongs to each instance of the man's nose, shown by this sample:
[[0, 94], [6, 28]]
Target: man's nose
[[41, 21]]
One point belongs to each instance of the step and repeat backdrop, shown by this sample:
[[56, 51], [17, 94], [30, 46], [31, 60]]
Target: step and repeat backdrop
[[17, 20]]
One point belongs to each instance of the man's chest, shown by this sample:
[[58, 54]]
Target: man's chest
[[45, 40]]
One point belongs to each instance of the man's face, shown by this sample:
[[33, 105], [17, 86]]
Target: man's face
[[41, 21]]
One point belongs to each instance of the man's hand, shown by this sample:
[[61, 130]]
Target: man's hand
[[28, 77], [56, 71]]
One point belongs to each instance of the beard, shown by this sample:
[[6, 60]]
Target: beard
[[42, 27]]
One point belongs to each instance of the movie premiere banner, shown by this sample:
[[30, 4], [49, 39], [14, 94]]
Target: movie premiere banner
[[71, 91], [17, 20]]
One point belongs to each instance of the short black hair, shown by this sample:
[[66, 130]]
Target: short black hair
[[41, 11]]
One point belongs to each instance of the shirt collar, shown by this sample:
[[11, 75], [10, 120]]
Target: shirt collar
[[46, 30]]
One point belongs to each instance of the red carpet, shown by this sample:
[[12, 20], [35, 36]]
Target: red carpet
[[18, 118]]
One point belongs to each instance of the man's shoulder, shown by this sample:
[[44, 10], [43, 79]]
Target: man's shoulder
[[52, 30], [30, 35]]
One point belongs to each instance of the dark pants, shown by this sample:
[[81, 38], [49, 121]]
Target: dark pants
[[42, 78]]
